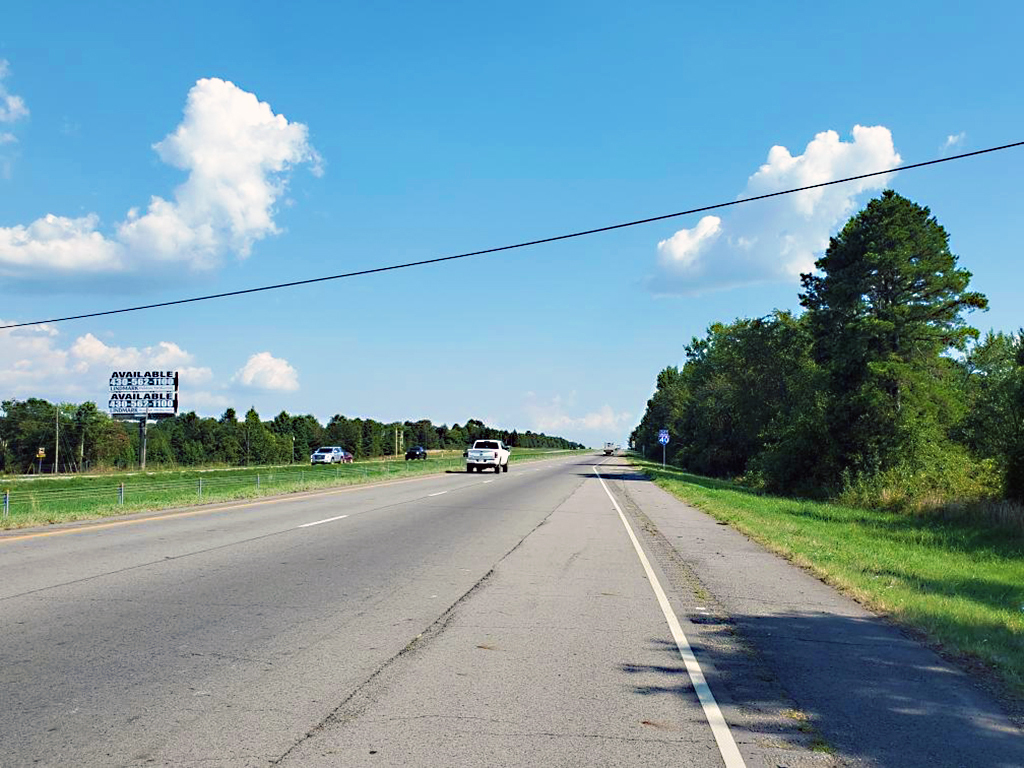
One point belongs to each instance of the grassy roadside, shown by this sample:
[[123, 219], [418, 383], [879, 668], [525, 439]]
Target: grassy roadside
[[61, 499], [960, 585]]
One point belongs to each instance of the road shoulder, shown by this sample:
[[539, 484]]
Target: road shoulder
[[875, 695]]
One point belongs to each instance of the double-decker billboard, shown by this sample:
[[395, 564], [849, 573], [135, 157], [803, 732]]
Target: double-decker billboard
[[143, 394]]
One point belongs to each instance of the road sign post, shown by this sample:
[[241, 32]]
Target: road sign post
[[663, 439]]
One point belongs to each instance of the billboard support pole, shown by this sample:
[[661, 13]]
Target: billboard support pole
[[142, 442]]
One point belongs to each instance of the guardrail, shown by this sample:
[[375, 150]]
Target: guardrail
[[78, 498]]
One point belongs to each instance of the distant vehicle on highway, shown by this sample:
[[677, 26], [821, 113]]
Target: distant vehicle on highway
[[416, 452], [331, 454], [487, 454], [610, 448]]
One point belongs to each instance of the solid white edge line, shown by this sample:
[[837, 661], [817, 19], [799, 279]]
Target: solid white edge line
[[439, 493], [328, 520], [723, 736]]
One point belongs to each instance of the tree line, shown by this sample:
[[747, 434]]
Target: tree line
[[879, 393], [91, 439]]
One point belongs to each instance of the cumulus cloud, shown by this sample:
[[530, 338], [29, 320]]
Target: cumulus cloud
[[31, 362], [236, 152], [776, 239], [90, 352], [57, 243], [264, 371], [553, 416], [12, 108], [35, 363]]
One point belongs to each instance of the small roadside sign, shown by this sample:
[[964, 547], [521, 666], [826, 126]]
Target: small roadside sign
[[663, 439], [41, 453]]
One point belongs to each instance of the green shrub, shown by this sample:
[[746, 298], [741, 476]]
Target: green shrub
[[951, 477]]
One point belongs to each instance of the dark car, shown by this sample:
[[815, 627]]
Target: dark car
[[416, 452]]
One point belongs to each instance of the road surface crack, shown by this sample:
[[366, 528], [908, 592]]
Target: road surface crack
[[431, 632]]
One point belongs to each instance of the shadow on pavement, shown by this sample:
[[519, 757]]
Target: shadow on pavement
[[826, 682]]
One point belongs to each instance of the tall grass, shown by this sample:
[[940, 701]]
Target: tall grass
[[959, 488]]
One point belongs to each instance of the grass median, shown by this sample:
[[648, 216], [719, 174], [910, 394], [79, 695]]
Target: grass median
[[43, 500], [959, 583]]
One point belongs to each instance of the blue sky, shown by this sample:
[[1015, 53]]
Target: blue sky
[[195, 148]]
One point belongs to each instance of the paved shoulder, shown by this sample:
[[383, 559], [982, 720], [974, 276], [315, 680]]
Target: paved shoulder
[[875, 696]]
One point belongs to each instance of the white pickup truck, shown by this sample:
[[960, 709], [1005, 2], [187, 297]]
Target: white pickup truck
[[487, 454]]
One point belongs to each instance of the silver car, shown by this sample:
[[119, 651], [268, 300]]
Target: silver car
[[331, 454]]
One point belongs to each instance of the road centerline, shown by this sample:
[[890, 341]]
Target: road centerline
[[319, 522]]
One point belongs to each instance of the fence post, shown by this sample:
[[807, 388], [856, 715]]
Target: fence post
[[7, 504], [120, 494], [257, 481], [200, 488], [302, 476]]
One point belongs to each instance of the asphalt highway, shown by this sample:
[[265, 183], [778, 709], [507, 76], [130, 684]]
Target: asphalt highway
[[455, 620]]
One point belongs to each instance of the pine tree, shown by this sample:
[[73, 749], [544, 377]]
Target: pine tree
[[888, 301]]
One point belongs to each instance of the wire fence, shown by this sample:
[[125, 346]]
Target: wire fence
[[72, 498]]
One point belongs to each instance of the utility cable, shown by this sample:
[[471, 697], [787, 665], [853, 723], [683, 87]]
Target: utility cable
[[526, 244]]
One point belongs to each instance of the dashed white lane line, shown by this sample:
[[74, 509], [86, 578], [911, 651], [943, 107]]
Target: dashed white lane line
[[488, 481], [439, 493], [723, 736], [328, 520]]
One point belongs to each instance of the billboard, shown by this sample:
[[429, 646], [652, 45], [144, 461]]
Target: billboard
[[143, 394]]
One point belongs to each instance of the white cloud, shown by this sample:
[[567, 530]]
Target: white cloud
[[264, 371], [89, 352], [34, 363], [776, 239], [59, 244], [201, 401], [682, 249], [236, 152], [954, 140], [12, 108], [553, 417]]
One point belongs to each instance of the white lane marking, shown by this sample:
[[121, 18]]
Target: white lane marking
[[488, 481], [328, 520], [723, 736], [439, 493]]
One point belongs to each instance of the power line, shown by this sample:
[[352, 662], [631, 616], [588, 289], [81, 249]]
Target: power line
[[526, 244]]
